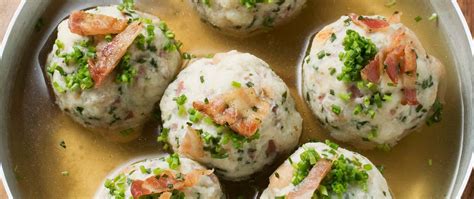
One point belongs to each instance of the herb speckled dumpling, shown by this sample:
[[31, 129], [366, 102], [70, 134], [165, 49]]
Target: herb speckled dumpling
[[125, 98], [318, 170], [230, 112], [166, 176], [370, 81], [241, 17]]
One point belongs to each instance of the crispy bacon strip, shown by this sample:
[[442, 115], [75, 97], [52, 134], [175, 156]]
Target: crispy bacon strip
[[137, 189], [409, 97], [311, 183], [393, 61], [166, 182], [87, 24], [111, 54], [240, 108], [373, 71], [192, 144], [409, 61], [395, 18], [399, 60], [193, 177], [370, 24]]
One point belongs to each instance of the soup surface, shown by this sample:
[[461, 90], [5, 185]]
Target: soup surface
[[422, 165]]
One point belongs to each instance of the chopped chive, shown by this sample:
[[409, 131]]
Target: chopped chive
[[108, 38], [387, 97], [332, 71], [144, 170], [418, 18], [249, 84], [236, 84], [65, 173], [367, 167], [333, 37], [181, 99], [344, 96], [357, 109], [336, 109], [157, 171], [433, 16]]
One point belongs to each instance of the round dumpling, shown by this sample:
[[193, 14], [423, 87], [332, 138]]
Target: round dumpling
[[230, 112], [108, 76], [246, 16], [326, 171], [167, 176], [369, 80]]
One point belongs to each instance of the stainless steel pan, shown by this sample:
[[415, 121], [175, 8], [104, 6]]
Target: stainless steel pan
[[21, 105]]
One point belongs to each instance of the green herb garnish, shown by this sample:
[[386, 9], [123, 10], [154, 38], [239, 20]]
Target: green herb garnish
[[358, 52], [418, 18], [173, 161], [163, 137], [435, 116]]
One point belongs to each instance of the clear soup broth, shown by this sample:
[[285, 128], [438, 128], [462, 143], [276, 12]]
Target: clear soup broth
[[37, 125]]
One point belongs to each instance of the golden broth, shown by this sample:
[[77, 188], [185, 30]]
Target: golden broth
[[38, 126]]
